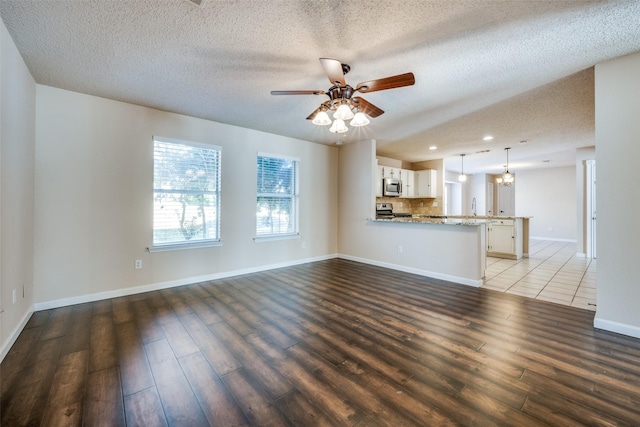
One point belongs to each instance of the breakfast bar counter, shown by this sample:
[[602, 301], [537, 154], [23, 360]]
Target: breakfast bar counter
[[452, 249]]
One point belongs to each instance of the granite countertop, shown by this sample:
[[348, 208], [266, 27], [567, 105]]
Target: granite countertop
[[473, 217], [424, 219]]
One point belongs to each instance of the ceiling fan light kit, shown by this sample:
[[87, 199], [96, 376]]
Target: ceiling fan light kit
[[360, 119], [342, 102], [322, 119], [338, 126], [343, 112]]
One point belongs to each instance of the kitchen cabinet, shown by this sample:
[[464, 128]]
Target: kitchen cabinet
[[426, 183], [379, 181], [408, 183], [406, 176], [389, 172], [504, 238]]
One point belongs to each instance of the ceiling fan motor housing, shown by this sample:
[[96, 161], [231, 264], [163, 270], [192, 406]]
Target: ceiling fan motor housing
[[338, 94]]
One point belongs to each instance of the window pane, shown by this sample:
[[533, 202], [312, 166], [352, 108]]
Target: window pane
[[277, 201], [186, 193], [275, 216]]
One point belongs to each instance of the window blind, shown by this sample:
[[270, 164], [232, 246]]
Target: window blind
[[186, 193], [277, 196]]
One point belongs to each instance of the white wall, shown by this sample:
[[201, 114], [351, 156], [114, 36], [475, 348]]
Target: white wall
[[617, 94], [17, 138], [549, 196], [476, 188], [93, 191]]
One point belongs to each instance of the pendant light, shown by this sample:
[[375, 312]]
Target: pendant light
[[507, 177], [462, 177]]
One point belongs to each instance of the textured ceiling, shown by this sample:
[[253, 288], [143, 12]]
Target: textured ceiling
[[519, 70]]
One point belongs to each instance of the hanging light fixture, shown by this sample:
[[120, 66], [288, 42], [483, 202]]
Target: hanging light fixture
[[507, 177], [321, 119], [338, 126], [462, 177], [343, 112], [360, 119]]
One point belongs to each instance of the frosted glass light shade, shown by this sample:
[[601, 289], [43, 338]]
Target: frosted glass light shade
[[462, 177], [507, 178], [343, 113], [338, 127], [360, 119], [321, 119]]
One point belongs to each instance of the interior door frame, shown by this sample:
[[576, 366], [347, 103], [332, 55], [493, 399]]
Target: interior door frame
[[590, 187]]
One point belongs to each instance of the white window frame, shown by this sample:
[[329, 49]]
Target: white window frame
[[216, 175], [294, 197]]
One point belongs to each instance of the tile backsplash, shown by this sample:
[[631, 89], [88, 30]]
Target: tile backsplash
[[414, 206]]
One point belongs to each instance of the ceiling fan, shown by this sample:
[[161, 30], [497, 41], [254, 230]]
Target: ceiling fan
[[341, 96]]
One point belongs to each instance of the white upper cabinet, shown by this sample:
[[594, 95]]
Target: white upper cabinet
[[408, 183], [389, 172], [426, 183]]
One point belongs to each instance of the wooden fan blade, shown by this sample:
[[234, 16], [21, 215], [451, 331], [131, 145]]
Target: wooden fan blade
[[334, 70], [392, 82], [366, 107], [298, 92]]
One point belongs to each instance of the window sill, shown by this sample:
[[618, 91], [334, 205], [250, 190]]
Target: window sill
[[181, 246], [277, 237]]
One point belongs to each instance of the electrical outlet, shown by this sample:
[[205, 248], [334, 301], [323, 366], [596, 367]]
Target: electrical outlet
[[14, 296], [303, 244], [550, 228], [138, 264], [435, 204], [399, 249]]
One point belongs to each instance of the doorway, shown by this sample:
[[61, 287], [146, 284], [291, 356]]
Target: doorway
[[452, 198], [506, 200]]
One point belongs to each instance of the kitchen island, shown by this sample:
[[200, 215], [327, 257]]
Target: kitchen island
[[507, 236], [452, 249]]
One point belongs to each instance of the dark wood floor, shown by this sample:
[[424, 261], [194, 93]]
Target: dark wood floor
[[326, 343]]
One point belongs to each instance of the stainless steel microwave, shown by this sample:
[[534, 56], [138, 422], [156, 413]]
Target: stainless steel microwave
[[391, 187]]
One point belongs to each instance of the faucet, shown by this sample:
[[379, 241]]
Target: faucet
[[473, 206]]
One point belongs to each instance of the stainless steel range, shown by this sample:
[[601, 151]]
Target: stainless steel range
[[385, 211]]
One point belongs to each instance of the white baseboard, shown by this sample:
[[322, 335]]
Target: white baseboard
[[553, 239], [13, 336], [617, 327], [46, 305], [449, 278], [581, 255]]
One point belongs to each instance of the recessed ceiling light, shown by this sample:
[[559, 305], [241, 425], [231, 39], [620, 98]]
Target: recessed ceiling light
[[546, 161], [487, 138], [482, 151], [523, 142], [433, 147]]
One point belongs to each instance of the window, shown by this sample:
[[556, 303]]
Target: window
[[186, 194], [277, 202]]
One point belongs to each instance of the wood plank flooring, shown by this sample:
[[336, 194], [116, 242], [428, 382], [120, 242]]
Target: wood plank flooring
[[331, 343]]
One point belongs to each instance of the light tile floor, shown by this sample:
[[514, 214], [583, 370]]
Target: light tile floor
[[552, 273]]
